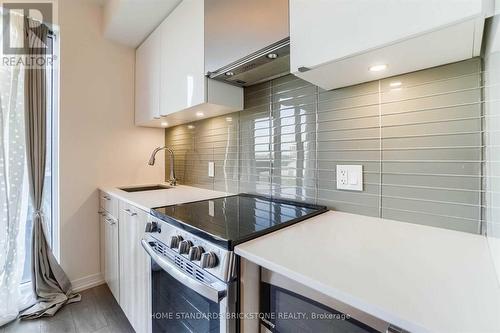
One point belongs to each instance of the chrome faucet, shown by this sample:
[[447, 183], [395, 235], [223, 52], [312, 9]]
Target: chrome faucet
[[172, 180]]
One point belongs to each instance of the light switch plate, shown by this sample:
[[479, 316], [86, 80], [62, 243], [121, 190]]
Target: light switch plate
[[350, 177], [211, 169]]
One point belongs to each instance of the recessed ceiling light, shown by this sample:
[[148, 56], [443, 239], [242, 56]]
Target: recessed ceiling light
[[272, 56], [164, 124], [395, 84], [229, 73], [190, 126], [378, 68], [199, 114]]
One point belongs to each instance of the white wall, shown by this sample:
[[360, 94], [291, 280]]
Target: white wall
[[99, 143], [492, 127]]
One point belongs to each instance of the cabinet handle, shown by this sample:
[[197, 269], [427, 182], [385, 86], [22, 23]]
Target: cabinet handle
[[110, 222], [129, 212], [395, 329], [303, 69], [106, 197]]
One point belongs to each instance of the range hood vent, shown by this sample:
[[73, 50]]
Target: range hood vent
[[263, 65], [246, 42]]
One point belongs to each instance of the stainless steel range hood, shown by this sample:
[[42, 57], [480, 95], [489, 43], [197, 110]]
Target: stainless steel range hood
[[263, 65], [246, 42]]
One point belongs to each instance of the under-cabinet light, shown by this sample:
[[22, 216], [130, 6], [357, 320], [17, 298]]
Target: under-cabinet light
[[378, 68]]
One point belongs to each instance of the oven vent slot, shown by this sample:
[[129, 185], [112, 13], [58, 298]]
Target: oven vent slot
[[161, 249], [189, 268], [199, 276], [179, 262]]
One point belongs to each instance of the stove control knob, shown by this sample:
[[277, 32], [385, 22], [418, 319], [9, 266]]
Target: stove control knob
[[184, 246], [152, 227], [174, 242], [195, 253], [209, 260]]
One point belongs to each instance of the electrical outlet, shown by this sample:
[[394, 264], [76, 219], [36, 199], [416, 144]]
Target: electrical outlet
[[350, 177], [211, 169], [342, 175]]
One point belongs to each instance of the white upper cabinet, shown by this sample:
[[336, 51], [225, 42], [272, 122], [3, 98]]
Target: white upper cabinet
[[334, 43], [182, 82], [237, 28], [184, 92], [147, 81]]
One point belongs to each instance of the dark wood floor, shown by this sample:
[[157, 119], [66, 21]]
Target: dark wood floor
[[97, 312]]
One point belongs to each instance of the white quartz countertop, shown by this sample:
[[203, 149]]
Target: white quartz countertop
[[420, 278], [146, 200]]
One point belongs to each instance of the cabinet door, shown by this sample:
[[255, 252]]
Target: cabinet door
[[323, 31], [182, 79], [135, 291], [147, 80], [102, 245], [225, 20], [108, 204], [111, 263]]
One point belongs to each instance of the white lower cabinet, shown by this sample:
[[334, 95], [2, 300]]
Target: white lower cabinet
[[109, 239], [135, 283], [124, 264]]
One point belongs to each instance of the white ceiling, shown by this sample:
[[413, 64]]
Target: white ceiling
[[129, 22]]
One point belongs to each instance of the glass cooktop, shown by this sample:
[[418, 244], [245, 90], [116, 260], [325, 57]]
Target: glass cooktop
[[231, 220]]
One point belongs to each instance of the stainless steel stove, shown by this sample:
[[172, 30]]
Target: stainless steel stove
[[194, 268]]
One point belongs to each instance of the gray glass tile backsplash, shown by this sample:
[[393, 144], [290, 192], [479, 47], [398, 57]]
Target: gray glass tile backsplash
[[418, 137]]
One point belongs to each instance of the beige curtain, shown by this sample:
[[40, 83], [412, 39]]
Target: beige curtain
[[50, 284]]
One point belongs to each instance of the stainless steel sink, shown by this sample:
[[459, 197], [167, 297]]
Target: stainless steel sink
[[145, 188]]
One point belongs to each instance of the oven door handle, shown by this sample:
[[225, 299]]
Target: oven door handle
[[214, 292]]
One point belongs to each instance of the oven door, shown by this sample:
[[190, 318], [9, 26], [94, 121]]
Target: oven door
[[287, 306], [183, 303]]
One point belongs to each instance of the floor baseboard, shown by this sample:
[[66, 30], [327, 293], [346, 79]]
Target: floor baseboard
[[87, 282]]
